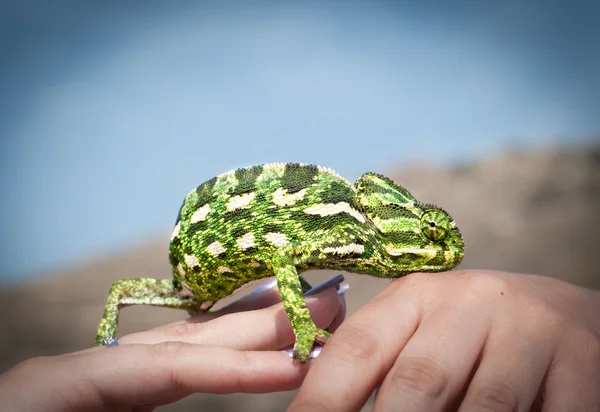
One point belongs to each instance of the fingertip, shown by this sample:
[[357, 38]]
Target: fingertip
[[340, 316], [138, 374], [324, 307]]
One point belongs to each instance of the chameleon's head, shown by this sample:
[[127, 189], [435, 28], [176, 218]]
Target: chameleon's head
[[417, 237]]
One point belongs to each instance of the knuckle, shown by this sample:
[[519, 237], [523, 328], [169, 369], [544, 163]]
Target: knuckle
[[488, 284], [415, 279], [421, 375], [498, 396], [169, 350], [405, 293], [542, 316], [587, 345], [184, 329], [548, 317], [357, 344], [413, 308]]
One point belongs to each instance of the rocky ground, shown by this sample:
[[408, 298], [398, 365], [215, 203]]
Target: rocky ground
[[524, 211]]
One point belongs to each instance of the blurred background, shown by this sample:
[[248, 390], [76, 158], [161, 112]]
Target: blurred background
[[110, 113]]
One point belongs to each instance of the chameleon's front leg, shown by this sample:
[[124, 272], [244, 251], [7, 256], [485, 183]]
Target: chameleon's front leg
[[290, 289], [143, 291]]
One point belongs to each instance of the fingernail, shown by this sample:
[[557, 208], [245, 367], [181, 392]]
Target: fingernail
[[263, 287], [343, 288], [334, 281]]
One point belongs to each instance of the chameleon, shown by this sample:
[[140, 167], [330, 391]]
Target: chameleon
[[281, 219]]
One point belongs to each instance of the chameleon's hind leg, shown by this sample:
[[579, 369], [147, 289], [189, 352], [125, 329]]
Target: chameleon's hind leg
[[291, 290], [143, 291]]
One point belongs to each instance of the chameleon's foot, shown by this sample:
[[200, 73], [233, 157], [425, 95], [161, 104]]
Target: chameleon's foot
[[109, 342], [305, 341]]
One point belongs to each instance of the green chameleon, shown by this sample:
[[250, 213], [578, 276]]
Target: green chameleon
[[281, 219]]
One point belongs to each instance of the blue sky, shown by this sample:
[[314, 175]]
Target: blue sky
[[110, 114]]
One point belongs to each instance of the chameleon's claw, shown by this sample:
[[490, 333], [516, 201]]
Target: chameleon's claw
[[315, 351], [322, 336], [305, 342], [109, 342]]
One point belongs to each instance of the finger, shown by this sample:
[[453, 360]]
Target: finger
[[512, 368], [574, 378], [158, 374], [354, 360], [341, 313], [438, 359], [264, 329], [143, 375]]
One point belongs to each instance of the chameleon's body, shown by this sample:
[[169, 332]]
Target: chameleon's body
[[282, 219]]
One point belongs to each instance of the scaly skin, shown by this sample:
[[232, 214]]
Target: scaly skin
[[280, 220]]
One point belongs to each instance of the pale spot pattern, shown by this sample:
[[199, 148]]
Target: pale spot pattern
[[246, 241], [176, 230], [180, 270], [225, 182], [276, 167], [241, 201], [191, 261], [200, 214], [329, 209], [277, 239], [449, 255], [270, 171], [282, 198], [215, 248], [223, 269], [425, 252], [377, 222], [345, 249]]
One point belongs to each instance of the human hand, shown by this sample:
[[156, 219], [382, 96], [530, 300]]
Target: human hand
[[464, 340], [219, 352]]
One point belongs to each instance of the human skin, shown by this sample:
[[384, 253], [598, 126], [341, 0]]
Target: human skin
[[467, 341], [220, 352]]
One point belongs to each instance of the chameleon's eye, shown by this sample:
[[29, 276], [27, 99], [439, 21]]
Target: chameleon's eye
[[435, 225]]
